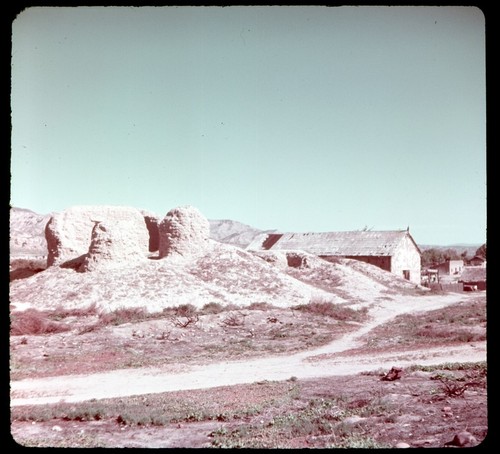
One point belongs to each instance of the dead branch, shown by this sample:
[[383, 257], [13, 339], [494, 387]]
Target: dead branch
[[191, 319], [453, 389], [233, 320]]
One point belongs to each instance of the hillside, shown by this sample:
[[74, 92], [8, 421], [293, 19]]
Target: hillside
[[98, 354], [27, 235], [234, 232], [224, 274], [215, 273]]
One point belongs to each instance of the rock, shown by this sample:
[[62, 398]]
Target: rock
[[184, 233], [296, 260], [394, 374], [461, 439], [421, 374], [69, 233], [406, 419], [425, 442], [402, 445], [353, 419], [275, 258]]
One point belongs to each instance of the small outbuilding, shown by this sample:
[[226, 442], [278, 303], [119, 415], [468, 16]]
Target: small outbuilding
[[473, 278], [477, 260], [451, 267], [394, 250]]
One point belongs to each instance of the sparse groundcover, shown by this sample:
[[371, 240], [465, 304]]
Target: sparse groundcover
[[426, 407], [336, 311], [132, 337], [357, 411], [463, 322], [34, 322]]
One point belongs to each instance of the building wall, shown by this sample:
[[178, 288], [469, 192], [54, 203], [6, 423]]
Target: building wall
[[381, 262], [477, 262], [407, 259], [451, 267]]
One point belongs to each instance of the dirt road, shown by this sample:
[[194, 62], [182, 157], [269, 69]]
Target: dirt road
[[327, 360]]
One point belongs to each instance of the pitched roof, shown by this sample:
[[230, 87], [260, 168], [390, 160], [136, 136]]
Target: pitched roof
[[473, 274], [354, 243]]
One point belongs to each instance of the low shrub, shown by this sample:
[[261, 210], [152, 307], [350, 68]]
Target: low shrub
[[233, 320], [480, 366], [212, 308], [336, 311], [459, 335], [61, 312], [123, 315], [33, 321], [262, 306], [185, 310]]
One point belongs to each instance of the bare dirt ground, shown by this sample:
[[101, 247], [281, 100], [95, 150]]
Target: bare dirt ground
[[258, 377]]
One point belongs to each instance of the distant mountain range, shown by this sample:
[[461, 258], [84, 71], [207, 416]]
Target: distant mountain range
[[234, 232]]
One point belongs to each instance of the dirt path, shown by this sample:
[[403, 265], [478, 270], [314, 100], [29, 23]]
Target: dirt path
[[324, 361]]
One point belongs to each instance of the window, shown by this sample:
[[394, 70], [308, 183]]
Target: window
[[406, 274]]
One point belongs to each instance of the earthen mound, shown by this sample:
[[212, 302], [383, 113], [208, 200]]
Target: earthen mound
[[69, 233], [111, 246], [184, 233]]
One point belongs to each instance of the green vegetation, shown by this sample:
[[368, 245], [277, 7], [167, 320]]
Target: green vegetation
[[481, 251], [212, 308], [336, 311], [452, 324], [159, 409], [33, 321], [267, 414], [480, 367], [434, 256]]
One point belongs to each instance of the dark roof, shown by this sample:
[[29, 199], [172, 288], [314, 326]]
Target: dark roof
[[354, 243], [473, 274]]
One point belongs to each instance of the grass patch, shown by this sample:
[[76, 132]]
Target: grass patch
[[479, 366], [457, 323], [356, 441], [161, 409], [61, 312], [212, 308], [319, 418], [124, 315], [33, 321], [81, 440], [261, 306], [333, 310], [287, 414]]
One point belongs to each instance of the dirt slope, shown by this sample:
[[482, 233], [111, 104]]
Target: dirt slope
[[336, 358]]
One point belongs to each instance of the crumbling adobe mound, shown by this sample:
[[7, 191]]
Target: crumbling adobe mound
[[111, 246], [287, 259], [184, 232], [69, 233]]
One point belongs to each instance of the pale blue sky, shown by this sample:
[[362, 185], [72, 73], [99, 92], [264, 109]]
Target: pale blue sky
[[289, 118]]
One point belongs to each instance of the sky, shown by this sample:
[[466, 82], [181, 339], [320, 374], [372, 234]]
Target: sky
[[280, 117]]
